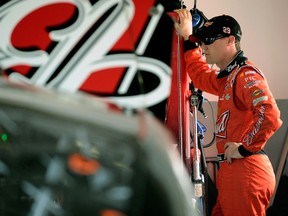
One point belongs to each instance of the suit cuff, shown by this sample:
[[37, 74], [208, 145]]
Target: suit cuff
[[189, 45], [244, 152]]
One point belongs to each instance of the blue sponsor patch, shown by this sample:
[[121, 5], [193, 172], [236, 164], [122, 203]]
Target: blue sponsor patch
[[260, 99], [253, 83]]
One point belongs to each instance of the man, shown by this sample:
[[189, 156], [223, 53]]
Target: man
[[247, 113]]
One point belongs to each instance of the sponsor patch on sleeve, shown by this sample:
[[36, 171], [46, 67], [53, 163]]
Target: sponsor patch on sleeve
[[252, 83], [250, 72], [260, 99], [257, 92]]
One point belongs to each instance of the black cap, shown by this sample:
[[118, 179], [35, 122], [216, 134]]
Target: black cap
[[219, 27]]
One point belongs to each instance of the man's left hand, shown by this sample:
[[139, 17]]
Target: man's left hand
[[184, 25]]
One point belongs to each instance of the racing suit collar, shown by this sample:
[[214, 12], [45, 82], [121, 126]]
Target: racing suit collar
[[239, 59]]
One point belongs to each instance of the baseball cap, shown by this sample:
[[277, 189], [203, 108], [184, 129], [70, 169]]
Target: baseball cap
[[219, 27]]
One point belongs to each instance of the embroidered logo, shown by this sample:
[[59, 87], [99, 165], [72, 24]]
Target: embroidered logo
[[208, 24], [260, 99], [252, 83], [226, 86], [231, 67], [250, 72], [221, 124], [257, 92], [226, 30], [227, 96], [248, 139], [250, 78]]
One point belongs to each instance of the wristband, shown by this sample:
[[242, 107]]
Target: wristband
[[188, 45], [244, 152]]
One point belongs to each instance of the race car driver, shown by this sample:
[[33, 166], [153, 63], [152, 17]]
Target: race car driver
[[247, 113]]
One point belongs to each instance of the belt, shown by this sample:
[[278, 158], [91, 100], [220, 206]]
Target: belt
[[221, 156]]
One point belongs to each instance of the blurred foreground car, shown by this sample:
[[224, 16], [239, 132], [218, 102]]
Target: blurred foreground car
[[77, 155]]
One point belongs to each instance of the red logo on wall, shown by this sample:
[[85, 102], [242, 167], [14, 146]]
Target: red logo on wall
[[100, 47]]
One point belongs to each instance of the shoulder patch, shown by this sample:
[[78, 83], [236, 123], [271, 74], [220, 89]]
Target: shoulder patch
[[257, 92], [260, 99]]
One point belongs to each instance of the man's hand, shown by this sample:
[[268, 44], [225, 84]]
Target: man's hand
[[184, 25], [231, 151]]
